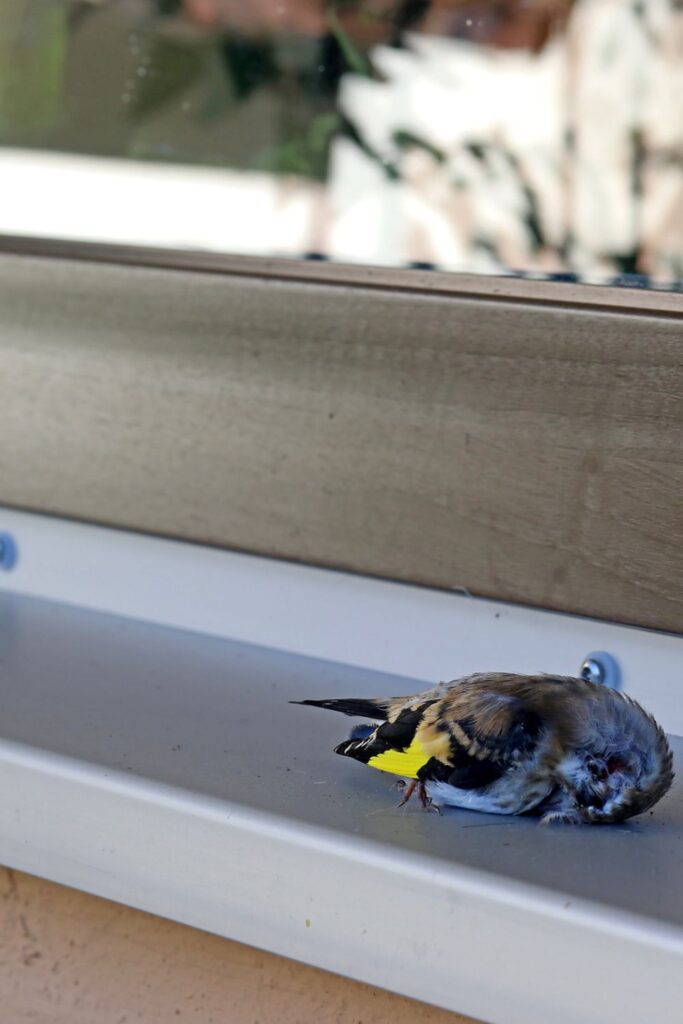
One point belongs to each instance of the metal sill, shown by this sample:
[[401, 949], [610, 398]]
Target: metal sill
[[163, 767]]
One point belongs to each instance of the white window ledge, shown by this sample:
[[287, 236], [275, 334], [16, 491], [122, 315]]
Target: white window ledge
[[148, 754]]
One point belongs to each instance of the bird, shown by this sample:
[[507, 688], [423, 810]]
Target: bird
[[567, 750]]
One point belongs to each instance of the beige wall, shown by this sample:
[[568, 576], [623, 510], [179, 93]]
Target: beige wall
[[70, 958]]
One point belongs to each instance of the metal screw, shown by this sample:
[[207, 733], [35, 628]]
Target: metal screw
[[593, 671], [8, 552], [600, 667]]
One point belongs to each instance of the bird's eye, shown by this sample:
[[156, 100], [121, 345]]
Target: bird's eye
[[597, 770]]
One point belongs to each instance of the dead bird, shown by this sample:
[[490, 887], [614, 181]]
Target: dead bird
[[565, 749]]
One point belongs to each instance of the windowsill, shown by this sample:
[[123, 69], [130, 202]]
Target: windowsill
[[163, 767]]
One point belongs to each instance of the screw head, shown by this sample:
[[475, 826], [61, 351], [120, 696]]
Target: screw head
[[602, 668], [592, 671]]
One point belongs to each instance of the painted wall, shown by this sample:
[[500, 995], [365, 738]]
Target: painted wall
[[70, 958]]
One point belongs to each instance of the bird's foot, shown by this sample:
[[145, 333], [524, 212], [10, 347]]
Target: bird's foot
[[406, 789], [426, 801]]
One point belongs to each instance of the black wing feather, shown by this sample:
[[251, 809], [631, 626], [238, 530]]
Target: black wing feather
[[357, 707], [397, 735]]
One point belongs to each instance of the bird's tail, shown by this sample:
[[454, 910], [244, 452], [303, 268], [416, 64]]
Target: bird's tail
[[359, 707]]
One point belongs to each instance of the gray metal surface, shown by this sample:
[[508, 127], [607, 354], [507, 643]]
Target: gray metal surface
[[211, 717]]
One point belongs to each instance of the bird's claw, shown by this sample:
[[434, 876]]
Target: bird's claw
[[407, 789]]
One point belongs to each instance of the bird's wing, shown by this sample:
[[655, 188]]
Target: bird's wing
[[488, 721], [467, 735], [394, 746]]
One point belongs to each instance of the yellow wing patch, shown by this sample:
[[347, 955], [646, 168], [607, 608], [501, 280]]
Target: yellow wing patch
[[402, 762]]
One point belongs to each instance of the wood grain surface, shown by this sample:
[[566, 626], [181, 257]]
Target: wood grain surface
[[530, 451], [71, 958]]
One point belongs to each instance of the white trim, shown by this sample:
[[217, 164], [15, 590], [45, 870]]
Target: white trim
[[408, 631]]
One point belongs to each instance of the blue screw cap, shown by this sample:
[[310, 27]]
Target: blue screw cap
[[8, 552]]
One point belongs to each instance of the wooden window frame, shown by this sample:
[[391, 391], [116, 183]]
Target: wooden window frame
[[522, 440]]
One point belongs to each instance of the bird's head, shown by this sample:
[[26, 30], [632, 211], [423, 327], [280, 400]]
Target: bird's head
[[628, 768]]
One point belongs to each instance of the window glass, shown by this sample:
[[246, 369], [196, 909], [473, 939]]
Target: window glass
[[539, 137]]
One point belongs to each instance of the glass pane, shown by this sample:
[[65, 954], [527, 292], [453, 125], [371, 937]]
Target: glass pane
[[493, 136]]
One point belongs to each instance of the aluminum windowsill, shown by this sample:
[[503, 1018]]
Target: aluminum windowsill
[[163, 767]]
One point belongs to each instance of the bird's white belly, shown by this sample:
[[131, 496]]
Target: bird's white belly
[[504, 797]]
